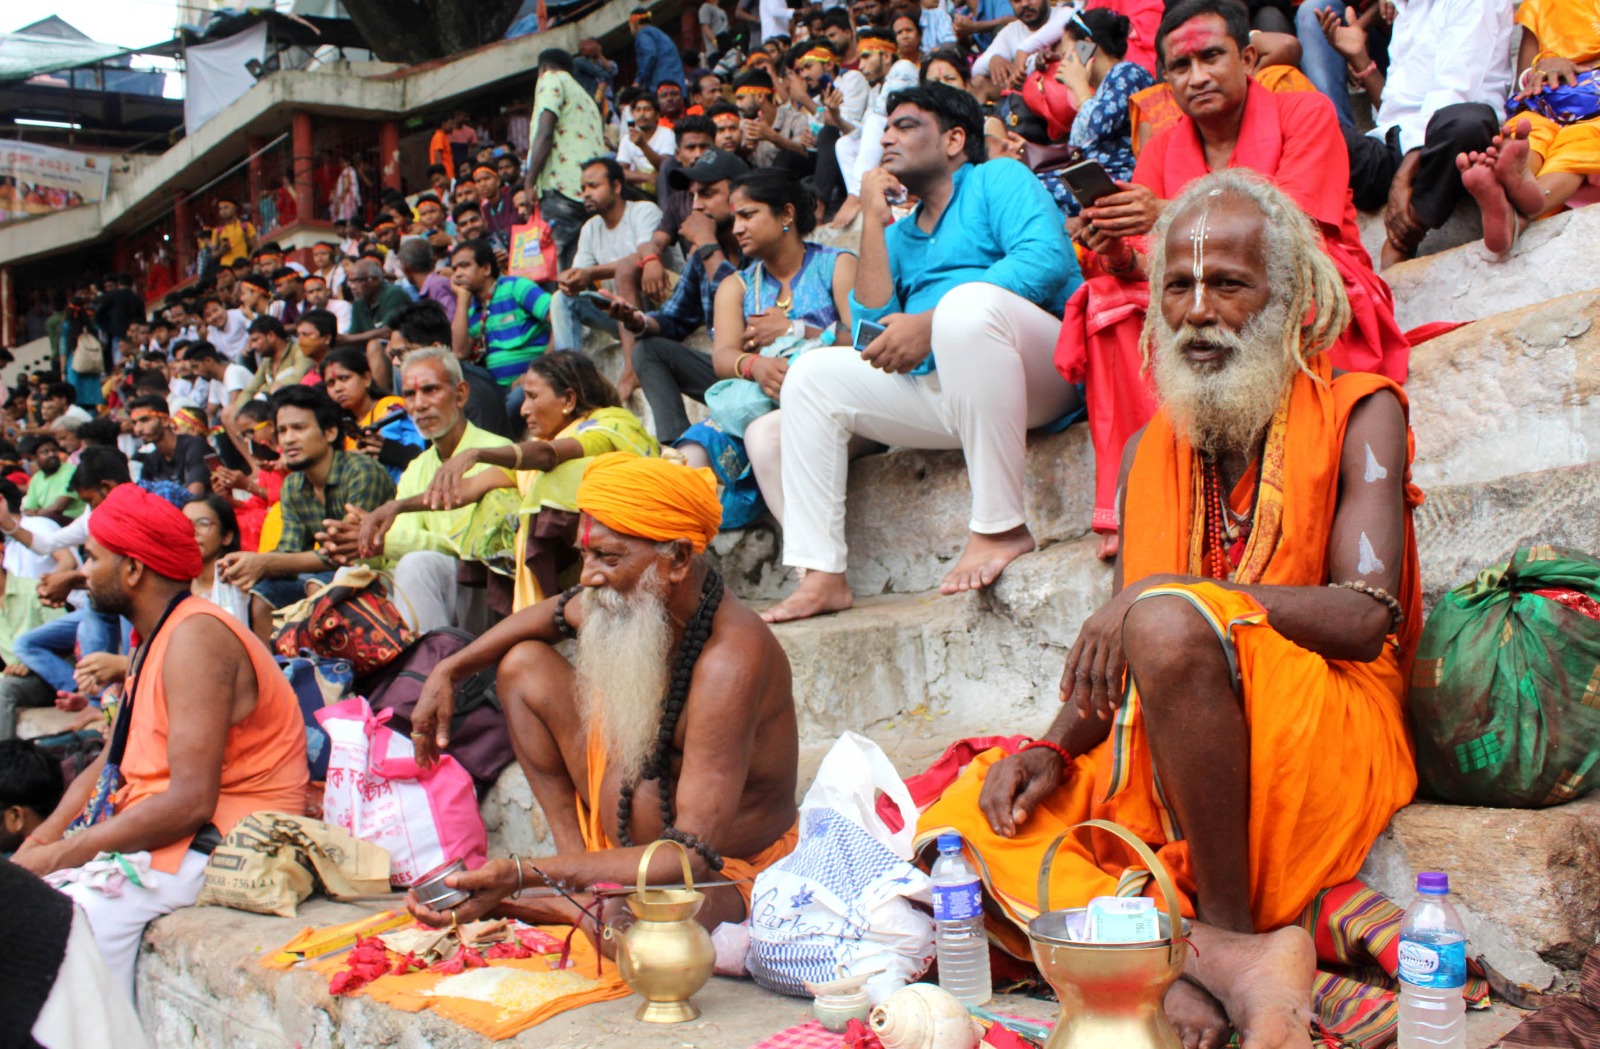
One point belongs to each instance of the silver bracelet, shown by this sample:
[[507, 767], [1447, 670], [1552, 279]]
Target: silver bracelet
[[518, 861]]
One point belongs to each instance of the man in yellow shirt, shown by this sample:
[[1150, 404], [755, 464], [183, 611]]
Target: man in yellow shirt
[[232, 237], [424, 544]]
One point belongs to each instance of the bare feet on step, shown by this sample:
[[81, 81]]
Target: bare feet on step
[[1197, 1016], [985, 557], [1510, 154], [818, 594], [1499, 220], [1262, 981]]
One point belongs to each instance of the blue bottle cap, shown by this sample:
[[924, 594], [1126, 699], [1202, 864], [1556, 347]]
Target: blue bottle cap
[[949, 843], [1434, 883]]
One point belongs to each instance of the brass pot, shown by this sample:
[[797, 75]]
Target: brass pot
[[1111, 993], [665, 956]]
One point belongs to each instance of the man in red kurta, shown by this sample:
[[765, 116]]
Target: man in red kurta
[[1229, 121]]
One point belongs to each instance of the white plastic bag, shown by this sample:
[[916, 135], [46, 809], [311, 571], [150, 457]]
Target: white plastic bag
[[842, 898]]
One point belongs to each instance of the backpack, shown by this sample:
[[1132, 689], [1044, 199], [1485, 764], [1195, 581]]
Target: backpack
[[479, 737], [75, 750]]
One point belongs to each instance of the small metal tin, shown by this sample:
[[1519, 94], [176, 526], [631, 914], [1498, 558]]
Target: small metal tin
[[433, 893]]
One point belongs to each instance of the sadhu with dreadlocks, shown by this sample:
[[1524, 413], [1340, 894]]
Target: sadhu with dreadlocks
[[677, 720], [1254, 659]]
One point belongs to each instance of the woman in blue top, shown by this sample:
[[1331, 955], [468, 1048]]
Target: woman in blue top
[[789, 297], [1102, 129]]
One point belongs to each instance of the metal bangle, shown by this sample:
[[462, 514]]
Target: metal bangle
[[520, 883]]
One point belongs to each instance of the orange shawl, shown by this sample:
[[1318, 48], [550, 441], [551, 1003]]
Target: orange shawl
[[1294, 512]]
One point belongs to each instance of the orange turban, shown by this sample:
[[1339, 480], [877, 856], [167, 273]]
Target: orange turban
[[134, 523], [651, 498]]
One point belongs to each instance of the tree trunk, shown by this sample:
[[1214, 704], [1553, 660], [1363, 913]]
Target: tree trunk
[[409, 31]]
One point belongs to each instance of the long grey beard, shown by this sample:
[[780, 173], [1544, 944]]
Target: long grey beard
[[1223, 409], [623, 671]]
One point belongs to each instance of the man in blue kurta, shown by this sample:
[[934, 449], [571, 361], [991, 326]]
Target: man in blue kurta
[[654, 53], [969, 288]]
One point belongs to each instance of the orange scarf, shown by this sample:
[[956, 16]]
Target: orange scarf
[[1294, 511]]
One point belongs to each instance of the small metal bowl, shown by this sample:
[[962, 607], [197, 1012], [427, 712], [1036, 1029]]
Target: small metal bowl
[[433, 893]]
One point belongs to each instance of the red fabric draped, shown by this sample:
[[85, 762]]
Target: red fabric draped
[[1294, 139]]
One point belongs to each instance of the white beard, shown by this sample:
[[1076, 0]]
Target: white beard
[[623, 674], [1225, 408]]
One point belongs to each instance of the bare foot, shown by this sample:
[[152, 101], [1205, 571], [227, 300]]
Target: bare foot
[[1197, 1016], [1511, 168], [818, 594], [1499, 221], [1109, 544], [1263, 982], [985, 557]]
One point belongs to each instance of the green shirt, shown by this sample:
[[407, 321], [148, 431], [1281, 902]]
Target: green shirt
[[440, 530], [578, 139], [291, 368], [358, 480], [44, 489], [391, 300]]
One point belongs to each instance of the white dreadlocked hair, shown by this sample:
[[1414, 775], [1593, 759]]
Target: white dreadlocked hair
[[1299, 272]]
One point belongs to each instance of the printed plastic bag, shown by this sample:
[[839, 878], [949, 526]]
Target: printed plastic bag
[[269, 863], [533, 250], [842, 898], [378, 792]]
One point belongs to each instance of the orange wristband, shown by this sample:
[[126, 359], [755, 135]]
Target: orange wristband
[[1045, 744]]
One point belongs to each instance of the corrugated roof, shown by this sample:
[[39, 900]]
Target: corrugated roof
[[23, 55]]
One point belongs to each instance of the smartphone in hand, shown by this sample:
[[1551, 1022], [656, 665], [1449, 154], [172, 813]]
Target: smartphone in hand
[[864, 332], [1088, 182]]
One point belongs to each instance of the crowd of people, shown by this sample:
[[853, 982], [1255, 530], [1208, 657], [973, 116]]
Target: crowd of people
[[1145, 213]]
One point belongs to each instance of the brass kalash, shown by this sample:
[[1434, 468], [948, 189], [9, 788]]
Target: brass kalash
[[665, 955], [1111, 993]]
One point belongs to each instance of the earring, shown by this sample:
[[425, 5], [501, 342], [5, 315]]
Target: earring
[[786, 227]]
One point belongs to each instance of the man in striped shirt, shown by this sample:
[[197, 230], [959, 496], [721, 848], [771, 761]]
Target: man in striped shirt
[[508, 316]]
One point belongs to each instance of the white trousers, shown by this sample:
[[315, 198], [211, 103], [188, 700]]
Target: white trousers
[[996, 379], [118, 921], [426, 590]]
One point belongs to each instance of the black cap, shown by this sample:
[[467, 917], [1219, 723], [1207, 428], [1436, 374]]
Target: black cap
[[714, 165]]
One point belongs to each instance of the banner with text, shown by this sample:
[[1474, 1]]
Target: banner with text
[[36, 180]]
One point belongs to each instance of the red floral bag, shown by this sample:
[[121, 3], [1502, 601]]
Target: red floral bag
[[351, 619]]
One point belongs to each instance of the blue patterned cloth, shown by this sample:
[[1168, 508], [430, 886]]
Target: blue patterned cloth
[[1102, 128]]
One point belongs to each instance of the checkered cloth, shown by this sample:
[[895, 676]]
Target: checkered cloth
[[809, 1035]]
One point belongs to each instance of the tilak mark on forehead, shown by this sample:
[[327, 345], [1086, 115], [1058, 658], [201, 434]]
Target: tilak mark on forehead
[[1189, 38]]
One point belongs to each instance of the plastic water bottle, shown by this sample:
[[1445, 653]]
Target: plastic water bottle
[[958, 925], [1433, 969]]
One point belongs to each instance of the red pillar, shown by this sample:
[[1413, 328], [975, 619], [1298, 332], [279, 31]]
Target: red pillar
[[304, 161], [253, 145], [183, 233], [389, 153]]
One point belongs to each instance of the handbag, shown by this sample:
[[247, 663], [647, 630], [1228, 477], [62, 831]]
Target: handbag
[[350, 618], [533, 250], [1041, 159], [88, 355], [1566, 103]]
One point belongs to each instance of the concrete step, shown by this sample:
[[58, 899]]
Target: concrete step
[[199, 985], [1553, 257]]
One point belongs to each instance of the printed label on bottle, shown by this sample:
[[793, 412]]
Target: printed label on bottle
[[1441, 966], [957, 902]]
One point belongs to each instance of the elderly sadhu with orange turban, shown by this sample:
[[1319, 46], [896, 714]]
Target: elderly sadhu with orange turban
[[675, 719]]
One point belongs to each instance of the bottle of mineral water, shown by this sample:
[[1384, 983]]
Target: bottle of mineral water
[[958, 925], [1433, 969]]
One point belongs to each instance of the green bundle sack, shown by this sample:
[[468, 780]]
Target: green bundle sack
[[1505, 691]]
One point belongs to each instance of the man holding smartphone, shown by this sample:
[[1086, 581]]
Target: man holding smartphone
[[969, 289]]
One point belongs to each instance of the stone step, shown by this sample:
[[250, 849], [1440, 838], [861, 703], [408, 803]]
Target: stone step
[[1509, 396], [1554, 257]]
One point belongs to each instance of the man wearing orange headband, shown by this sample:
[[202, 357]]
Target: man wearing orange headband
[[656, 55], [494, 200], [859, 152], [677, 721]]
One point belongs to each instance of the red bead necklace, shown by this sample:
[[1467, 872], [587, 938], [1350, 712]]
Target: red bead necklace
[[1227, 533]]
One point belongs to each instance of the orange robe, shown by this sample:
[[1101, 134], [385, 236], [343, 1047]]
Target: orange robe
[[264, 761], [1292, 138], [595, 838], [1330, 757]]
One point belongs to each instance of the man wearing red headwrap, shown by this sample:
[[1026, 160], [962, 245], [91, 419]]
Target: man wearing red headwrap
[[208, 732], [664, 653]]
